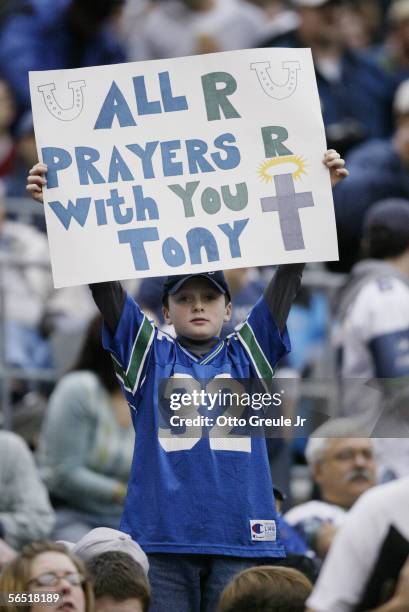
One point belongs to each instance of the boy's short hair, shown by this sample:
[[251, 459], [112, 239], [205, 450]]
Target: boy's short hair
[[172, 284], [116, 574], [266, 588]]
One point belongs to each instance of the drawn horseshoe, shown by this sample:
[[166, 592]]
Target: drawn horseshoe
[[57, 111], [278, 92]]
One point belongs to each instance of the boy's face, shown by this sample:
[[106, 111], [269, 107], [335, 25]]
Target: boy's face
[[198, 310]]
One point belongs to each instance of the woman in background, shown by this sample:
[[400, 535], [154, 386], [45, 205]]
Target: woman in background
[[86, 443], [42, 571]]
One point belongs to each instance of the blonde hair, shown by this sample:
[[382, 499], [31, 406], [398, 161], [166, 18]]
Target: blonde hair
[[266, 588], [16, 574]]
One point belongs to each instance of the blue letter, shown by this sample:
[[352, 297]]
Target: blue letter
[[56, 159], [79, 211], [114, 105], [197, 238], [144, 205], [116, 201], [101, 212], [233, 235], [146, 156], [196, 150], [136, 238], [233, 154], [170, 168], [118, 168], [86, 156], [170, 104], [144, 106], [173, 253]]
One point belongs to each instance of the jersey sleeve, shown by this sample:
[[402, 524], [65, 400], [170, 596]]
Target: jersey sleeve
[[131, 345], [386, 338], [262, 340]]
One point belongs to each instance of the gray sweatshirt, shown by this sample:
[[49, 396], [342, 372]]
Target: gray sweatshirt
[[25, 510]]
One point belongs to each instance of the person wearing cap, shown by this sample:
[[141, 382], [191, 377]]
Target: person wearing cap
[[373, 331], [373, 307], [354, 92], [118, 568], [199, 505]]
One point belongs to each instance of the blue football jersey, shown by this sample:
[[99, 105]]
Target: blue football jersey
[[193, 490]]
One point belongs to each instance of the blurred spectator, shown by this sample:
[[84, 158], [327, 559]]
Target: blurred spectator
[[373, 306], [278, 18], [86, 443], [177, 28], [363, 565], [26, 291], [343, 468], [266, 589], [48, 35], [102, 539], [119, 582], [298, 555], [353, 91], [118, 568], [25, 157], [25, 511], [393, 55], [132, 27], [7, 116], [46, 567], [378, 169], [373, 330], [361, 24]]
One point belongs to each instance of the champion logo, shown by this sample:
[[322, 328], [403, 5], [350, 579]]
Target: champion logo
[[263, 531]]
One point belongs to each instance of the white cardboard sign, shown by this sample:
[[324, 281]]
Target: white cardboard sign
[[191, 164]]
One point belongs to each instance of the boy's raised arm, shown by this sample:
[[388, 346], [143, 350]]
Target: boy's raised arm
[[281, 291], [109, 296]]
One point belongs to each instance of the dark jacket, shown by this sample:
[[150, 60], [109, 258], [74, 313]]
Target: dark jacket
[[34, 35], [376, 173], [356, 107]]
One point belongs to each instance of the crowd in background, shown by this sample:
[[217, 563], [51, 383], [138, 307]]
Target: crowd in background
[[70, 474]]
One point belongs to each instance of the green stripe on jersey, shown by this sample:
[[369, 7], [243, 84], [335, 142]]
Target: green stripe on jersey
[[121, 374], [247, 337], [142, 342]]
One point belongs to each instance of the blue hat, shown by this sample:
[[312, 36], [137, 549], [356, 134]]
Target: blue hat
[[172, 284]]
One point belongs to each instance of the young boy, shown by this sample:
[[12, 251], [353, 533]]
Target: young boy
[[199, 504]]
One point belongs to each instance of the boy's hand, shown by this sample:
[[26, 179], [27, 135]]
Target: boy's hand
[[36, 181], [335, 165]]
